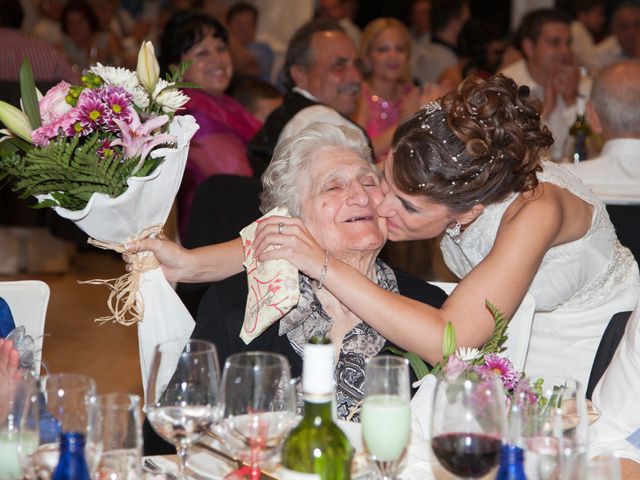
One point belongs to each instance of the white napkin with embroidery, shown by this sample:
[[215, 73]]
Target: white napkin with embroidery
[[273, 285]]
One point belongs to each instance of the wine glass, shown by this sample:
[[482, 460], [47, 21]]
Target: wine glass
[[17, 441], [554, 429], [468, 422], [386, 412], [121, 436], [64, 403], [182, 393], [258, 406]]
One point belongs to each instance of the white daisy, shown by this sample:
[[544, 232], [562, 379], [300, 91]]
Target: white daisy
[[467, 354], [170, 99], [121, 77]]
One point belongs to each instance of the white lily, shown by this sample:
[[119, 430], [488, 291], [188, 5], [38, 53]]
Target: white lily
[[148, 69], [16, 121]]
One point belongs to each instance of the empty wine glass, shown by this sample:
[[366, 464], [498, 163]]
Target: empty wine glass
[[64, 403], [121, 417], [386, 412], [258, 406], [554, 425], [468, 422], [182, 394], [17, 441]]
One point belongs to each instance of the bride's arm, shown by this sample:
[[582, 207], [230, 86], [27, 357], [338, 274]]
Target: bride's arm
[[503, 278], [204, 264]]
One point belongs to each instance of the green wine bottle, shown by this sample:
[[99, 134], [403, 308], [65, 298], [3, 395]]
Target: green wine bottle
[[580, 146], [317, 449]]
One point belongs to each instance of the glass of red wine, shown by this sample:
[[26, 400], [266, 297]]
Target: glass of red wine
[[468, 422]]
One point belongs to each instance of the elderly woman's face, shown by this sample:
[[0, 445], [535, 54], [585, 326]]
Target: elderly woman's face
[[211, 66], [339, 201]]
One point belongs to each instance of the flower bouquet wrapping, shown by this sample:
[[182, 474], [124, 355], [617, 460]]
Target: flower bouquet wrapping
[[109, 155]]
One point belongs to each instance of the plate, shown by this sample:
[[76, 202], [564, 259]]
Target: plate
[[206, 465]]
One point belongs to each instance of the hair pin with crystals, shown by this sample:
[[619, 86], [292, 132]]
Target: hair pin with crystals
[[431, 107]]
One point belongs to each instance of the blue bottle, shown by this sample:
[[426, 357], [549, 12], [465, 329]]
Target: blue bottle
[[511, 463], [72, 464]]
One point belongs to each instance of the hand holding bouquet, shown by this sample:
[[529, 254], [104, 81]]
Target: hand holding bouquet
[[108, 155]]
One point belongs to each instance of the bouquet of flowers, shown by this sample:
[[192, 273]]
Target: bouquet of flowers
[[109, 155]]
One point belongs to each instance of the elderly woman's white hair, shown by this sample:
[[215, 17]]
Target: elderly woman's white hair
[[282, 179]]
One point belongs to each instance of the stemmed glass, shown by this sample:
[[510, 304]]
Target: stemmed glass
[[386, 412], [468, 422], [258, 406], [121, 436], [16, 441], [64, 403], [182, 393], [554, 425]]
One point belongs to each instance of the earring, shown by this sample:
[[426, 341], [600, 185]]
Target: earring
[[454, 232]]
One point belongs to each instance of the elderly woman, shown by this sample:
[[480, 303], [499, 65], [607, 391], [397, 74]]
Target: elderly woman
[[325, 177]]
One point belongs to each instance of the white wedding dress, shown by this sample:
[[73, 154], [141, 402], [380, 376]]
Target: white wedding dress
[[580, 285]]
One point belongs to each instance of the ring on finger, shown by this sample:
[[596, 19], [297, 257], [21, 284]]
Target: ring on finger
[[280, 226]]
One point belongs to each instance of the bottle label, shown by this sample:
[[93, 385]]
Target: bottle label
[[286, 474]]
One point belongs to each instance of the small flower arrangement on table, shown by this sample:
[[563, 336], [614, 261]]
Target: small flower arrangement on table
[[109, 155]]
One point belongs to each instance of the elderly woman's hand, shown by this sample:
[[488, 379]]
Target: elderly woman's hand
[[295, 243], [174, 260]]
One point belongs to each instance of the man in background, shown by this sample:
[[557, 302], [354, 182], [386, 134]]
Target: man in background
[[613, 111], [549, 69], [323, 85]]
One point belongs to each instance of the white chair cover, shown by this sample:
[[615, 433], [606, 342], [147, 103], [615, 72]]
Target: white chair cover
[[28, 300]]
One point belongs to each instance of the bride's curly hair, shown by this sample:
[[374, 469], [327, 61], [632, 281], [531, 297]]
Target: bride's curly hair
[[476, 145]]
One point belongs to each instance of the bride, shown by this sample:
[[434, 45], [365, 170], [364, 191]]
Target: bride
[[470, 165]]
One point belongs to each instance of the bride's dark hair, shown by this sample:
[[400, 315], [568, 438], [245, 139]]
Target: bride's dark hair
[[474, 146]]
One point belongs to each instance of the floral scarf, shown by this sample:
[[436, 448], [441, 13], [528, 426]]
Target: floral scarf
[[360, 343]]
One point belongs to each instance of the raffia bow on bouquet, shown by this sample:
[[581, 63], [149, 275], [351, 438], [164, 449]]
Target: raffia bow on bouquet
[[109, 155]]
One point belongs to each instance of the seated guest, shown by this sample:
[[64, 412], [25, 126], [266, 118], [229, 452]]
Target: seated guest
[[323, 85], [225, 126], [549, 70], [388, 96], [625, 26], [324, 176], [614, 112]]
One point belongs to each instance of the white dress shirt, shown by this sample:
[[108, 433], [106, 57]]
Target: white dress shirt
[[559, 120], [615, 175], [312, 114]]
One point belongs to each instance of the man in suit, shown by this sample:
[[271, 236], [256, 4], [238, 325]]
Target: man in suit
[[323, 80]]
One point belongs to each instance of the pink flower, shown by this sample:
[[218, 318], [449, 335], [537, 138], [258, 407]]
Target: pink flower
[[454, 367], [91, 110], [62, 125], [117, 102], [137, 138], [54, 104], [503, 367]]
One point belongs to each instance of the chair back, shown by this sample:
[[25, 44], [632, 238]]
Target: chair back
[[626, 220], [518, 331], [28, 300]]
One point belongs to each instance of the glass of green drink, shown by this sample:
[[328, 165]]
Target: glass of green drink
[[386, 414]]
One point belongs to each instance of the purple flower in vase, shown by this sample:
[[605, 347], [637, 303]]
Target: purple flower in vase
[[106, 150], [454, 367], [502, 367]]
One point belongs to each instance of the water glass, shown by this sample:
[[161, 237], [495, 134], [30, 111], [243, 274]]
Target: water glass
[[182, 393], [605, 466], [121, 417], [468, 422], [386, 412], [554, 427], [16, 441], [258, 406], [64, 403]]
